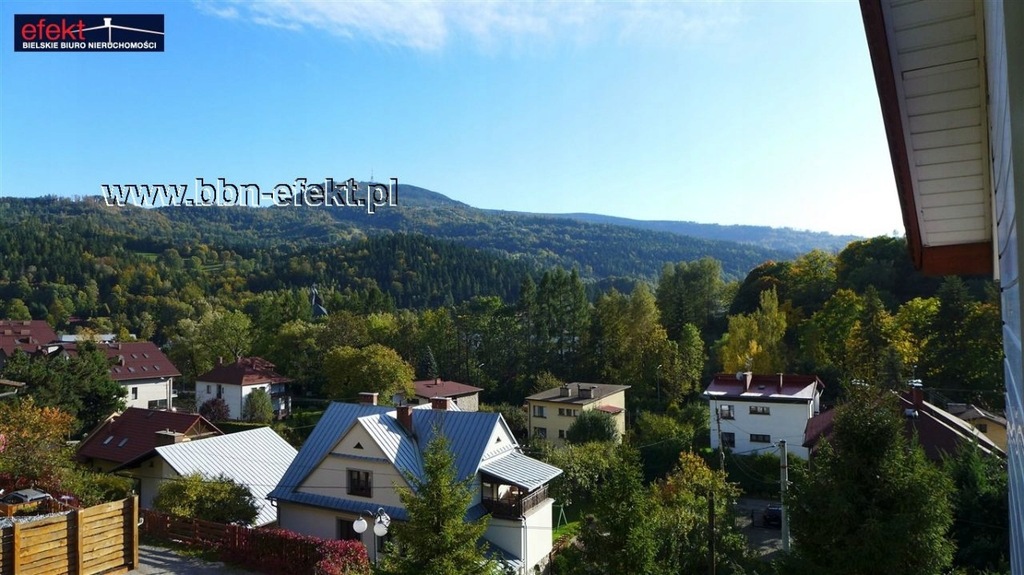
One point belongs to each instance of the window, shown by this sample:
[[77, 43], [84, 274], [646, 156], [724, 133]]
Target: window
[[982, 427], [541, 432], [729, 440], [727, 412], [759, 438], [158, 404], [135, 393], [207, 388], [538, 411], [760, 410], [346, 531], [561, 434], [360, 483], [563, 411]]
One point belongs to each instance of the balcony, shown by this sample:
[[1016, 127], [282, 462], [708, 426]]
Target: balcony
[[515, 504]]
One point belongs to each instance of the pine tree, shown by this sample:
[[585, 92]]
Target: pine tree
[[436, 539], [871, 502]]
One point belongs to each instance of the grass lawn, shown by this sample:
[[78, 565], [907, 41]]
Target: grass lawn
[[572, 515]]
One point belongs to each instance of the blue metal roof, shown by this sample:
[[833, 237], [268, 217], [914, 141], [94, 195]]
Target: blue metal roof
[[468, 434], [334, 423]]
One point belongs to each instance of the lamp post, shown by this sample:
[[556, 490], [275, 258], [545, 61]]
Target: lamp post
[[381, 521]]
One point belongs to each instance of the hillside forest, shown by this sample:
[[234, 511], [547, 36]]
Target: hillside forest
[[508, 324]]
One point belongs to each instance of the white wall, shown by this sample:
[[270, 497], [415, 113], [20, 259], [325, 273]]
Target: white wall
[[232, 395], [786, 421], [148, 390], [508, 534], [151, 474], [1004, 30]]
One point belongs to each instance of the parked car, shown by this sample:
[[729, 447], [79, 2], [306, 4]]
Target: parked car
[[25, 496], [772, 515]]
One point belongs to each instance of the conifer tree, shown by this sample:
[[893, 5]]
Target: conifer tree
[[436, 539]]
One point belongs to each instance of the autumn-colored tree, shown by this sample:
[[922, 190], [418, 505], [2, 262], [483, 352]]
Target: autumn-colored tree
[[35, 439], [375, 368], [754, 341]]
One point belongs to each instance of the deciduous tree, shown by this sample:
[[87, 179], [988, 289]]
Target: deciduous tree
[[374, 368], [592, 425]]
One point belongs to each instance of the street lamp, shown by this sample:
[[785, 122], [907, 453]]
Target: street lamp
[[381, 521]]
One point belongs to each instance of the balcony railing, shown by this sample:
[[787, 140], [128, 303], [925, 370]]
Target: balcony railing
[[515, 507]]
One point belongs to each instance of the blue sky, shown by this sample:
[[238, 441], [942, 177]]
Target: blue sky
[[733, 113]]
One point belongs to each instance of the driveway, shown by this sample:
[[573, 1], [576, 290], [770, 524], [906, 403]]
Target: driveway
[[160, 561], [765, 542]]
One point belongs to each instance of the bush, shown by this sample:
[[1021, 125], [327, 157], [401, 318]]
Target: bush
[[215, 409], [221, 500], [281, 552]]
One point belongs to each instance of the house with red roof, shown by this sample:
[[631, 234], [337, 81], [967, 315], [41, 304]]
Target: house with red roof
[[145, 372], [937, 431], [128, 437], [751, 413], [25, 335], [465, 396], [234, 381]]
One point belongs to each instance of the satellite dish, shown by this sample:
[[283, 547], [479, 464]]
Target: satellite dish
[[739, 376]]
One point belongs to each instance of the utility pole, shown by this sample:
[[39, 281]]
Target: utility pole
[[784, 484]]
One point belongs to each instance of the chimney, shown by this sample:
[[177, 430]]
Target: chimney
[[586, 392], [780, 384], [168, 437], [437, 381], [917, 393], [565, 391], [439, 403], [220, 360], [368, 397], [405, 417]]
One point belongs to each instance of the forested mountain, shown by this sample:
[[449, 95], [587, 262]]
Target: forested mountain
[[783, 239]]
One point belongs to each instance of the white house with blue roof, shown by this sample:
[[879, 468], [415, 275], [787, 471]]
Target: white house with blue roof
[[358, 455]]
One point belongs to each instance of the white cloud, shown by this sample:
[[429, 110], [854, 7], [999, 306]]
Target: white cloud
[[430, 25]]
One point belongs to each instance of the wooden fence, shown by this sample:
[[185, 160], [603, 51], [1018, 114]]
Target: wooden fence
[[99, 539], [194, 532]]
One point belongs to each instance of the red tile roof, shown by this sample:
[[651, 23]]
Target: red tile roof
[[132, 434], [24, 335], [429, 388], [133, 360], [244, 371], [610, 409]]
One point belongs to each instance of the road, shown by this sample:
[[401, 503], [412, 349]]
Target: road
[[160, 561]]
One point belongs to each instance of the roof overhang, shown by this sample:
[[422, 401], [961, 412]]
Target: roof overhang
[[929, 65]]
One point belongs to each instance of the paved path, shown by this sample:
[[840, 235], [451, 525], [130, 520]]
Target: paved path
[[160, 561]]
